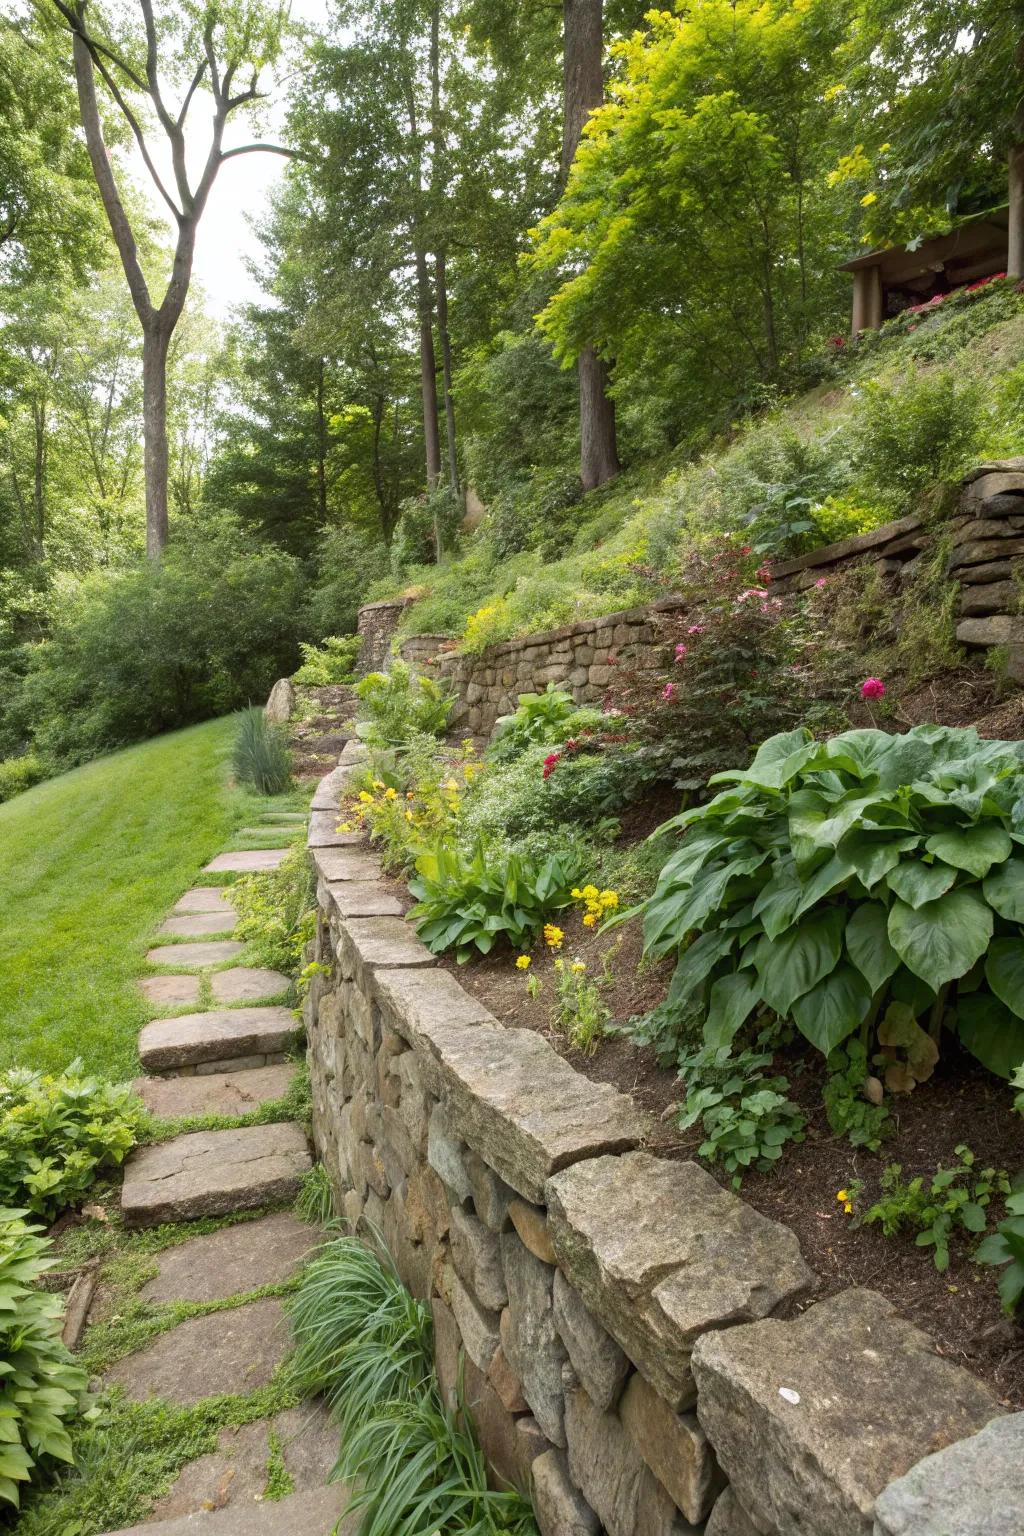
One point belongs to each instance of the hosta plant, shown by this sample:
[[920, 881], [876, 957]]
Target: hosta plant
[[869, 883], [41, 1388], [470, 902]]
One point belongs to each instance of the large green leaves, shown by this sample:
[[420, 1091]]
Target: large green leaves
[[1004, 890], [800, 958], [833, 1009], [916, 882], [991, 1033], [867, 944], [1004, 972], [942, 939], [733, 998]]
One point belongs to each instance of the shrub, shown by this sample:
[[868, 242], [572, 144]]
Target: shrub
[[489, 625], [332, 661], [274, 911], [261, 756], [547, 717], [348, 560], [859, 883], [531, 794], [56, 1133], [908, 436], [41, 1388], [400, 704], [19, 773], [131, 654], [745, 1116], [467, 902], [953, 1199]]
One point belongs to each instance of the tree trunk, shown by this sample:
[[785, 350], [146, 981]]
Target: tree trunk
[[39, 475], [155, 343], [584, 90], [321, 446], [446, 373], [1015, 248], [428, 374]]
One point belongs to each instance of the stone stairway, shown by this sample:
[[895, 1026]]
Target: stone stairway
[[227, 1059], [321, 727]]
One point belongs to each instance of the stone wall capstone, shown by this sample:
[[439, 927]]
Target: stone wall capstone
[[628, 1333]]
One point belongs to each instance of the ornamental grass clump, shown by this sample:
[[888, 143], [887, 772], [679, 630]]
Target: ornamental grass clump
[[261, 757], [869, 883]]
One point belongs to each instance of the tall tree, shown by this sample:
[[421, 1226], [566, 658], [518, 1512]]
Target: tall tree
[[205, 50], [583, 47]]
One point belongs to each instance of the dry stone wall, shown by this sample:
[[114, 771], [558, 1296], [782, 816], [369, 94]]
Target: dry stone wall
[[634, 1341], [986, 535]]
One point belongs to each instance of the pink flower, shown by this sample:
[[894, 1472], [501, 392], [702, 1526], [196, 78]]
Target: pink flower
[[549, 763], [822, 581], [872, 688], [680, 651], [761, 592], [668, 692], [695, 629]]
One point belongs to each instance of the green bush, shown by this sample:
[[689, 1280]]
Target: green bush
[[539, 717], [908, 436], [511, 800], [274, 909], [332, 661], [864, 882], [400, 704], [18, 773], [466, 902], [953, 1200], [261, 757], [57, 1133], [139, 652], [1005, 1248], [41, 1388]]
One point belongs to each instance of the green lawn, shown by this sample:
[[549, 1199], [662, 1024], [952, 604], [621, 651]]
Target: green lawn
[[89, 864]]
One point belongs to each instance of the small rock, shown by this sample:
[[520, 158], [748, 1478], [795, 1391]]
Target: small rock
[[674, 1447], [598, 1361], [476, 1255], [530, 1338], [559, 1507], [612, 1476], [729, 1518], [477, 1326], [531, 1222]]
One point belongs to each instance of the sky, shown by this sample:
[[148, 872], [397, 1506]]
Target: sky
[[225, 238]]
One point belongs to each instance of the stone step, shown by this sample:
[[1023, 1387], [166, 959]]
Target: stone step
[[204, 898], [214, 1093], [178, 956], [300, 1514], [197, 925], [199, 1040], [171, 991], [236, 1259], [276, 830], [247, 861], [213, 1173], [234, 1351], [247, 984], [283, 816]]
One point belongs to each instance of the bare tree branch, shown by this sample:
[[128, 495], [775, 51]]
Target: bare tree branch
[[270, 149]]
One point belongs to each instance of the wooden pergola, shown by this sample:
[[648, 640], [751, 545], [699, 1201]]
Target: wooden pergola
[[890, 280]]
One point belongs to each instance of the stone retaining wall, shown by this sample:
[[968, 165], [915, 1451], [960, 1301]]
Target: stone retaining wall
[[632, 1337], [987, 538], [376, 627]]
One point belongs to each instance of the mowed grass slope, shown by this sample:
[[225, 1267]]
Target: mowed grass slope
[[89, 864]]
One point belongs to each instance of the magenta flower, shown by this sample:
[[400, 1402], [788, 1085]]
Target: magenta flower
[[822, 581], [872, 688], [680, 651], [761, 592], [695, 629], [668, 692]]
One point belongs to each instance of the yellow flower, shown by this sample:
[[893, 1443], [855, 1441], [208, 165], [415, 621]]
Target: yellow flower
[[378, 783], [577, 894], [408, 815], [451, 786], [391, 794], [590, 920], [842, 1195], [553, 936], [577, 967], [559, 963], [590, 892], [848, 1208], [868, 199], [366, 797], [346, 826], [522, 962], [609, 899]]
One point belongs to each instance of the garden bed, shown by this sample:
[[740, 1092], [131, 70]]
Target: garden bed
[[961, 1104]]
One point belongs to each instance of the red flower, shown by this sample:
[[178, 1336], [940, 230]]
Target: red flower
[[549, 763]]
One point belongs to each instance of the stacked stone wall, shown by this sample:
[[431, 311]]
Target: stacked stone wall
[[639, 1349]]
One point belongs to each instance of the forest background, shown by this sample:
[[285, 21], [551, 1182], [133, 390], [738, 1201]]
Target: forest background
[[519, 253]]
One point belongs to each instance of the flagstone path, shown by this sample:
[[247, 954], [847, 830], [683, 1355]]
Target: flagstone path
[[226, 1059]]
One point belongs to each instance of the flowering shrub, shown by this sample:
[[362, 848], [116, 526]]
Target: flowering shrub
[[539, 717], [400, 704], [733, 672], [867, 882]]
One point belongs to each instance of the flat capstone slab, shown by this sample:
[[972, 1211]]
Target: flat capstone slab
[[323, 832], [346, 863], [360, 898], [214, 1093], [972, 1488], [205, 898], [315, 1513], [213, 953], [171, 991], [236, 1472], [812, 1418], [213, 1173], [247, 984], [661, 1253], [515, 1101], [363, 943], [275, 816], [236, 1350], [330, 789], [235, 1259], [198, 925], [192, 1038], [247, 861]]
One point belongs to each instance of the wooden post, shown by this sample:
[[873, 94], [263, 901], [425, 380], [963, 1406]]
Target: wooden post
[[867, 299]]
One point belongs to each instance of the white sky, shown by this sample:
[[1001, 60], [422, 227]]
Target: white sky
[[225, 236]]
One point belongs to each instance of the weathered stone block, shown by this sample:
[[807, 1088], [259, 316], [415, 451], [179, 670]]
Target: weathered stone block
[[529, 1336], [491, 1195], [598, 1361], [506, 1383], [972, 1488], [979, 550], [674, 1447], [476, 1255], [614, 1479], [1000, 629], [531, 1223], [477, 1326], [368, 943], [447, 1350], [729, 1518], [865, 1399], [495, 1428], [560, 1508], [444, 1154], [989, 597], [426, 1206], [661, 1253]]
